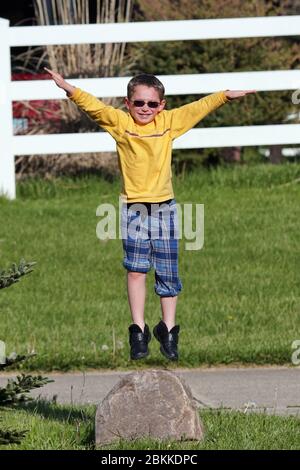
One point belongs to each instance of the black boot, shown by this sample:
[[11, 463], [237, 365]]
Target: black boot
[[168, 340], [138, 341]]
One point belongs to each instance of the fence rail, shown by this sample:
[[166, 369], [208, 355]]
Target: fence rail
[[174, 84], [144, 31], [103, 87], [195, 138]]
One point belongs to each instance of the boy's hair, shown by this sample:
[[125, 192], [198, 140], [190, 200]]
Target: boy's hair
[[146, 79]]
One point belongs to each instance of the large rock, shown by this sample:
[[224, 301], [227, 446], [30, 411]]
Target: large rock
[[153, 403]]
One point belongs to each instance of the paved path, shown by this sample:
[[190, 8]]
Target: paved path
[[274, 390]]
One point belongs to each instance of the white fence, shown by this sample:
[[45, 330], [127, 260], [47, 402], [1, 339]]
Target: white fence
[[11, 145]]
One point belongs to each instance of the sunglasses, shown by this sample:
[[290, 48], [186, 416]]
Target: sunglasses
[[141, 103]]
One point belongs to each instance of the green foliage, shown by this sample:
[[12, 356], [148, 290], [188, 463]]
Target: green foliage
[[13, 275], [13, 359], [15, 393], [16, 390], [11, 436]]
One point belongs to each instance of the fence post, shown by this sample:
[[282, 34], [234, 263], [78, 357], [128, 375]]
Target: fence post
[[7, 161]]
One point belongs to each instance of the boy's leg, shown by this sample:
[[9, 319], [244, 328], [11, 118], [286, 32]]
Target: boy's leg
[[168, 308], [136, 289], [137, 263], [136, 249], [167, 286]]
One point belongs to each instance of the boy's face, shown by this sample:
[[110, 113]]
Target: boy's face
[[144, 114]]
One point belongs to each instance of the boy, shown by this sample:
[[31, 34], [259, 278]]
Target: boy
[[144, 138]]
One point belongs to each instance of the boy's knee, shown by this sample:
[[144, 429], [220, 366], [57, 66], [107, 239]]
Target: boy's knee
[[135, 275]]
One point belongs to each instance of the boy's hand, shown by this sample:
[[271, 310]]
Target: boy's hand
[[231, 94], [60, 82]]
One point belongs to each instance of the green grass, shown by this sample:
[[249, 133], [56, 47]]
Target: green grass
[[59, 427], [240, 300]]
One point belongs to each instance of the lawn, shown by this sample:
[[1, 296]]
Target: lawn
[[240, 300], [62, 427]]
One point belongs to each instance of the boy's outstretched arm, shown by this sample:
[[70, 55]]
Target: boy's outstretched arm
[[109, 118], [187, 116], [61, 82]]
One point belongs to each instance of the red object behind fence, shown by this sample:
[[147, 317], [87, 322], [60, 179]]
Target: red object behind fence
[[27, 113]]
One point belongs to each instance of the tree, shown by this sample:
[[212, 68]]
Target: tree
[[16, 390]]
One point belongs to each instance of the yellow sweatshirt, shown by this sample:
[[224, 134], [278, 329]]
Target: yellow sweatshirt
[[145, 151]]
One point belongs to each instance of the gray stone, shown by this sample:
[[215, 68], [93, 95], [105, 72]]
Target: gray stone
[[152, 403]]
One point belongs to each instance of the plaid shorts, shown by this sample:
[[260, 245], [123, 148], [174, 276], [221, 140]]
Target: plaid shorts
[[150, 238]]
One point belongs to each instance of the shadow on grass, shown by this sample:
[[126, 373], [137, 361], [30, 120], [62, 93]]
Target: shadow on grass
[[64, 413], [51, 410]]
